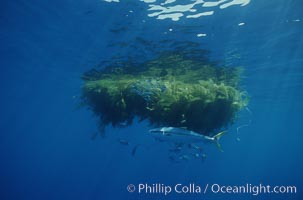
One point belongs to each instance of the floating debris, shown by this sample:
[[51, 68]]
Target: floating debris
[[242, 126], [176, 89]]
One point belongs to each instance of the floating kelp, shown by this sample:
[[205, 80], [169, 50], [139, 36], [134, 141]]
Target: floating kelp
[[174, 89]]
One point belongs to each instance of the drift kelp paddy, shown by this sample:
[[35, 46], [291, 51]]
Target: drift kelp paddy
[[176, 89]]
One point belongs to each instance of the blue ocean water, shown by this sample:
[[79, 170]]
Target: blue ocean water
[[46, 150]]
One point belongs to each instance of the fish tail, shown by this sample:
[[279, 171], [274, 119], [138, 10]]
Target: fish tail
[[217, 138], [219, 135], [219, 146]]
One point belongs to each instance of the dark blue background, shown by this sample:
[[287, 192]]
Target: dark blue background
[[45, 146]]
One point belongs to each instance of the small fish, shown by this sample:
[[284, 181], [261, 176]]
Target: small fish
[[119, 30], [175, 150], [94, 136], [101, 129], [88, 12], [196, 155], [135, 149], [192, 146], [184, 157], [203, 157], [122, 124], [174, 159], [148, 108], [123, 142], [183, 121]]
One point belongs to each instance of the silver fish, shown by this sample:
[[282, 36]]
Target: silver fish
[[181, 135]]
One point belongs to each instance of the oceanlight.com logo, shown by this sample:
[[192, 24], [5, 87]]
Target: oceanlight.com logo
[[253, 189], [192, 188]]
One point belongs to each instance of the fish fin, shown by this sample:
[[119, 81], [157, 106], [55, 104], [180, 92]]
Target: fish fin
[[217, 138], [219, 135], [219, 146]]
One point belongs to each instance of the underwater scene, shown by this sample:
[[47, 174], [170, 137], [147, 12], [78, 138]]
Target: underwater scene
[[151, 99]]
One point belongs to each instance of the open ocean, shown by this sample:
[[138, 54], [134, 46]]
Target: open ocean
[[50, 148]]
